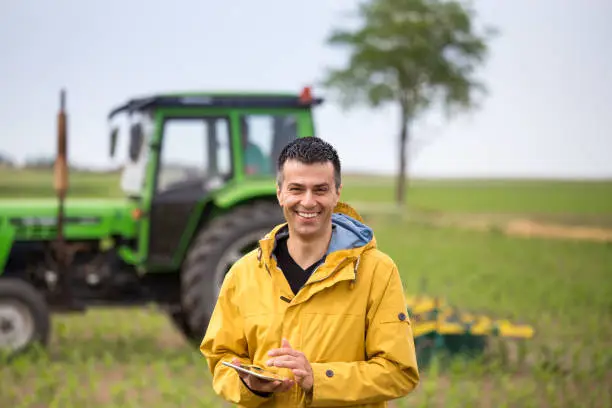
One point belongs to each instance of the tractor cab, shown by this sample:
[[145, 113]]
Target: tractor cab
[[190, 155], [199, 179]]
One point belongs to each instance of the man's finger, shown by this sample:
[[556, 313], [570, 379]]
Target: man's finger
[[281, 358], [260, 385], [299, 372], [283, 351], [286, 363], [284, 386], [268, 385], [276, 386]]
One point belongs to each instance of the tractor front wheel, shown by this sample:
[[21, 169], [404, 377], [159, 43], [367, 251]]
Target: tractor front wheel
[[24, 317], [213, 252]]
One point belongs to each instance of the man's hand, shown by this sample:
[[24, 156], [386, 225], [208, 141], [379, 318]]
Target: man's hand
[[288, 357], [259, 385]]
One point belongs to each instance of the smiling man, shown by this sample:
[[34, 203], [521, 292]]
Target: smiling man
[[317, 302]]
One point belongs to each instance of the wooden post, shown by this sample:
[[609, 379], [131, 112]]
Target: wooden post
[[61, 189]]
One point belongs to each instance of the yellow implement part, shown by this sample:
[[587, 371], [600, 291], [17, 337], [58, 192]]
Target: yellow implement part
[[423, 328], [500, 329], [423, 304], [447, 320], [452, 328], [503, 328]]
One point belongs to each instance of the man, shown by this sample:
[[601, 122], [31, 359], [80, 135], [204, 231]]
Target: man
[[255, 161], [317, 302]]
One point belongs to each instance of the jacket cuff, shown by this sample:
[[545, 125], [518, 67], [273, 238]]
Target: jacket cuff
[[250, 397], [258, 393], [324, 382]]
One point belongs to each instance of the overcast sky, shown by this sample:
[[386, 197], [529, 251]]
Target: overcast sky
[[549, 112]]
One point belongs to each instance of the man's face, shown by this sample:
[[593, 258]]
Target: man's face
[[308, 196]]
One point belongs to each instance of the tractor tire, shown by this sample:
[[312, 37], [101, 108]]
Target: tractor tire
[[212, 253], [24, 317]]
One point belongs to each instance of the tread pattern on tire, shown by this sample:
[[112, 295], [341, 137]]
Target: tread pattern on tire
[[25, 292], [205, 253]]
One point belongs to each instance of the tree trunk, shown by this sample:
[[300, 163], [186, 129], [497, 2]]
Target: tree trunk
[[401, 176]]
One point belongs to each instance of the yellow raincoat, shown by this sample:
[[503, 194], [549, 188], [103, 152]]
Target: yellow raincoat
[[349, 320]]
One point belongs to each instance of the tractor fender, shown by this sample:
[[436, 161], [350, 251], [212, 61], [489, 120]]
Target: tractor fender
[[252, 190], [7, 238], [214, 208]]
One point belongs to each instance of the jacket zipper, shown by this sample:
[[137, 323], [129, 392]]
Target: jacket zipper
[[341, 264]]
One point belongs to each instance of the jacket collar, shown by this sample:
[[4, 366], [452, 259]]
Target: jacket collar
[[351, 237]]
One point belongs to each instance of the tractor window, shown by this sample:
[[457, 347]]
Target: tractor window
[[195, 152], [263, 138]]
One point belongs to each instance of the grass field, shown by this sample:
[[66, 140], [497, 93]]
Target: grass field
[[563, 287]]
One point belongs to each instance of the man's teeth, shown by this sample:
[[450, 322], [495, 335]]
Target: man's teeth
[[307, 215]]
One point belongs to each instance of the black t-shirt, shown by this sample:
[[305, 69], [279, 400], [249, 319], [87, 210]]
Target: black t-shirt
[[295, 275]]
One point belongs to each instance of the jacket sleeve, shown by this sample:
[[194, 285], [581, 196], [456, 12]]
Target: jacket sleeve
[[225, 340], [390, 370]]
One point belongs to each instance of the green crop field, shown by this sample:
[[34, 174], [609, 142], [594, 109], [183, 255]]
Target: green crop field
[[562, 287], [562, 200]]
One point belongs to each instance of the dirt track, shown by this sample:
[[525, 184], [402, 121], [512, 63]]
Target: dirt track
[[531, 228], [510, 224], [525, 227]]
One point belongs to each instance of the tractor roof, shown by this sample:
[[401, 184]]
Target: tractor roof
[[221, 99]]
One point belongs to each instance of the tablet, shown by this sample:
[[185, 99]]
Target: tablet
[[255, 371]]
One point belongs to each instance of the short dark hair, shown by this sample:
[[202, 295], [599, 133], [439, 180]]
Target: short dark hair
[[309, 150]]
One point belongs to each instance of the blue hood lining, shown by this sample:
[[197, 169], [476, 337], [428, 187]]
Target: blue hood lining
[[347, 233]]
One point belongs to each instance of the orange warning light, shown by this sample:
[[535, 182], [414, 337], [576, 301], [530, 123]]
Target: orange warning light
[[306, 95]]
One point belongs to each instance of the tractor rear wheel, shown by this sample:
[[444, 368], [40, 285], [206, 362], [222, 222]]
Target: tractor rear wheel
[[213, 252], [24, 317]]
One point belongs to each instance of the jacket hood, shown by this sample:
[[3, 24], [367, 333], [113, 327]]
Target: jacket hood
[[350, 235]]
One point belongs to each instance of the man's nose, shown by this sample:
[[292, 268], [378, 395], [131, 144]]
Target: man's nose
[[308, 199]]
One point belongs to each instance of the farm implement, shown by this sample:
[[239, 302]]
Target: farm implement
[[438, 326], [199, 192]]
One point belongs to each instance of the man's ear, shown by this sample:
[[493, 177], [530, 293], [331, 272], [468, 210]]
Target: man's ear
[[278, 195], [338, 193]]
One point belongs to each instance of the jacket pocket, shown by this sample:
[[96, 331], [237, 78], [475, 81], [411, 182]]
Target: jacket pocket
[[392, 335], [332, 336], [394, 322]]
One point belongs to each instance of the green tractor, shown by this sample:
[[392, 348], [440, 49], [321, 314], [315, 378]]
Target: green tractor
[[199, 192]]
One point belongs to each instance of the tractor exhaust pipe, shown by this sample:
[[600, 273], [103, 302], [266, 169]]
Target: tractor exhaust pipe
[[61, 165], [62, 250]]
